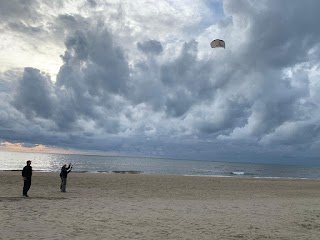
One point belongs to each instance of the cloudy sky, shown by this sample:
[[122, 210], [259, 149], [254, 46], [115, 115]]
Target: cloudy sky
[[140, 78]]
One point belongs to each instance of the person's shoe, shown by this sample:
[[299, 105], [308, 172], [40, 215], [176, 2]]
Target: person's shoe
[[25, 195]]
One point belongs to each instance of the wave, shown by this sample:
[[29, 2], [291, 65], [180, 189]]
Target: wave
[[130, 172], [237, 173]]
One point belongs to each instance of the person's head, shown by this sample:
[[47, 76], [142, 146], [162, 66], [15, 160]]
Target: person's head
[[64, 165], [28, 162]]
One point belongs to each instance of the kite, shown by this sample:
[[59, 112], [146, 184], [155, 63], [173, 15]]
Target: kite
[[218, 43]]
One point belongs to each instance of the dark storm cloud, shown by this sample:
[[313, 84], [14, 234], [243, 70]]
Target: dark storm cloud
[[95, 70], [20, 16], [230, 114], [14, 9], [34, 94], [102, 65], [280, 34], [302, 133], [187, 80], [276, 40], [70, 22], [23, 27], [92, 3], [174, 86], [150, 46]]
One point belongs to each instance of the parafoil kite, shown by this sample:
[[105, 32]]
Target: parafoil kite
[[218, 43]]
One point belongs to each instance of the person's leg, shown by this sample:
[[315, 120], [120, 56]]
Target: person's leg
[[24, 191], [26, 187], [29, 185], [63, 184]]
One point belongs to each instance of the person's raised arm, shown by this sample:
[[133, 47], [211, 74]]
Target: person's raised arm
[[70, 168]]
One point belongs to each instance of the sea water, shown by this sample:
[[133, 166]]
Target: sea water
[[104, 164]]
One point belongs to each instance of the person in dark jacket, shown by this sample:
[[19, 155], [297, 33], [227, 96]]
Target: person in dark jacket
[[27, 174], [63, 175]]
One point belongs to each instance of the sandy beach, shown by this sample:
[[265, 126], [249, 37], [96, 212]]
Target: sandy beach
[[137, 206]]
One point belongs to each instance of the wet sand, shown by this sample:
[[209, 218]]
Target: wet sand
[[137, 206]]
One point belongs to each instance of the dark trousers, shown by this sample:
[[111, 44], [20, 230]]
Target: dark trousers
[[26, 186], [63, 184]]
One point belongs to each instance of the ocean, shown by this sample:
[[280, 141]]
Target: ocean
[[12, 161]]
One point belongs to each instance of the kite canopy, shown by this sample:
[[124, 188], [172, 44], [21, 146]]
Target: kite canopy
[[218, 43]]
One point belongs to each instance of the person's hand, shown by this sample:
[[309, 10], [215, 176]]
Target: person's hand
[[24, 178]]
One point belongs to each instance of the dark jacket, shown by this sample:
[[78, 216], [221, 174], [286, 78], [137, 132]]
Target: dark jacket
[[64, 171], [27, 172]]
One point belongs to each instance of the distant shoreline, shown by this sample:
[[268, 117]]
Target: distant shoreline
[[118, 172], [129, 172]]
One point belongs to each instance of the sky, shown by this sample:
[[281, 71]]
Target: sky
[[139, 78]]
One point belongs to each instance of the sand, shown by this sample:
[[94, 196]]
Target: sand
[[137, 206]]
